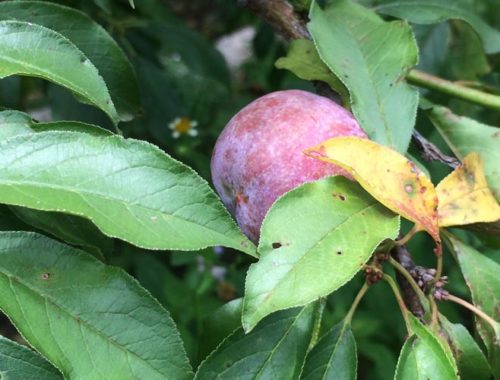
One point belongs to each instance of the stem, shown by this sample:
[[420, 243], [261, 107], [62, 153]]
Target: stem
[[434, 313], [410, 279], [474, 309], [439, 266], [397, 294], [408, 236], [431, 82], [355, 303]]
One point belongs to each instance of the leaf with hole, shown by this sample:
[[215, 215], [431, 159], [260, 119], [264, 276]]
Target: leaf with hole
[[276, 348], [464, 196], [92, 39], [20, 363], [388, 176], [481, 276], [333, 357], [90, 320], [320, 234], [129, 189], [434, 11], [354, 43], [49, 55]]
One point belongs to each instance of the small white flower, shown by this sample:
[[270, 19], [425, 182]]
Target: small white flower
[[183, 126]]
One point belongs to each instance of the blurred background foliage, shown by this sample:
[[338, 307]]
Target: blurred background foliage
[[197, 63]]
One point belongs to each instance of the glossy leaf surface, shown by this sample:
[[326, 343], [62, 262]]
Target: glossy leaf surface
[[34, 50], [354, 43], [275, 349], [129, 189], [319, 234], [92, 39], [91, 320], [20, 363]]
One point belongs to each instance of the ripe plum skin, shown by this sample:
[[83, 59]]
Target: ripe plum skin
[[259, 154]]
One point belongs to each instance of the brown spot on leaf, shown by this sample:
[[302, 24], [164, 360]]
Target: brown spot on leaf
[[340, 196], [45, 276], [276, 245]]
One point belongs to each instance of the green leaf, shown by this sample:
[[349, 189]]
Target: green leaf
[[354, 42], [129, 189], [275, 349], [434, 11], [465, 135], [313, 240], [470, 359], [131, 2], [91, 320], [424, 356], [92, 39], [433, 45], [20, 363], [219, 325], [33, 50], [334, 357], [72, 229], [467, 59], [14, 123], [481, 276], [304, 61]]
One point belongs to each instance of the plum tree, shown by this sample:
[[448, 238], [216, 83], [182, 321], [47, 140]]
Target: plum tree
[[258, 156]]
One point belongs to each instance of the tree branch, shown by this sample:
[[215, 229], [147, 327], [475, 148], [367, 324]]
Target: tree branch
[[430, 152]]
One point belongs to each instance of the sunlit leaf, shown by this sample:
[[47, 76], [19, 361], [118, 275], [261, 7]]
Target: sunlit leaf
[[434, 11], [91, 320], [20, 363], [464, 196], [354, 43], [481, 276], [275, 349], [129, 189], [388, 176], [34, 50], [303, 60], [333, 357], [92, 39], [313, 240], [425, 356], [470, 359]]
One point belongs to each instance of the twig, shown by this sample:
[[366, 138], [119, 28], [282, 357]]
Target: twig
[[280, 15], [355, 303], [475, 310], [401, 303], [444, 86], [430, 152], [412, 299]]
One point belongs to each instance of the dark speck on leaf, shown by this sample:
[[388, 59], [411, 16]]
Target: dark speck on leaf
[[45, 276], [339, 252], [276, 245]]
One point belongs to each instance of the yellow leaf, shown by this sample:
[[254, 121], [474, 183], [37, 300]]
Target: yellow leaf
[[388, 176], [464, 196]]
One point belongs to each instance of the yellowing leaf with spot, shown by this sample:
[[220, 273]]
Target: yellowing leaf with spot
[[388, 176], [464, 196]]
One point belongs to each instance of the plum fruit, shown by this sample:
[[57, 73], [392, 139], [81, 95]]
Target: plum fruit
[[259, 154]]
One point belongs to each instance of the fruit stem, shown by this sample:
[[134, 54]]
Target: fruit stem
[[399, 299], [355, 303], [431, 82], [474, 309], [408, 236]]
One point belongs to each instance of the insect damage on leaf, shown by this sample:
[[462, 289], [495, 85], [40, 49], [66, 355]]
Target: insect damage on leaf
[[388, 176], [464, 196]]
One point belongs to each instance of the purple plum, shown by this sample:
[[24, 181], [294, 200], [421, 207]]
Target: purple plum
[[259, 154]]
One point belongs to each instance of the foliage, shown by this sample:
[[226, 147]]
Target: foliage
[[110, 111]]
